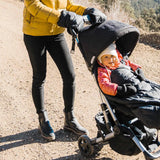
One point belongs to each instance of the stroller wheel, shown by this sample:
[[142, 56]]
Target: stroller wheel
[[85, 146]]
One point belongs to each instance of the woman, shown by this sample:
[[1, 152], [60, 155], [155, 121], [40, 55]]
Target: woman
[[43, 27]]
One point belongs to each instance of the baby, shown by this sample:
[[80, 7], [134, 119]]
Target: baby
[[108, 61], [124, 84]]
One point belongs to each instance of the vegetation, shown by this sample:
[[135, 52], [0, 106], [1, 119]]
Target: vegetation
[[146, 13], [106, 3]]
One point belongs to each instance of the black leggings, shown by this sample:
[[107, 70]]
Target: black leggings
[[57, 47]]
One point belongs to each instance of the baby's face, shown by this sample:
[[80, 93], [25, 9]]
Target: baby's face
[[109, 60]]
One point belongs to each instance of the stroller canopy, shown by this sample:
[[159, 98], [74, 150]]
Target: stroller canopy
[[94, 39]]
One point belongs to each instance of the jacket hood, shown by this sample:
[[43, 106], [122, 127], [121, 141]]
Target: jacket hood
[[94, 39]]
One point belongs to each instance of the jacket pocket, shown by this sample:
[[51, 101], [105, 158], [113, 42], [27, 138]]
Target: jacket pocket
[[26, 15]]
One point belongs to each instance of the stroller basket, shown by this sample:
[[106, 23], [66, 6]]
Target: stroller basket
[[92, 40]]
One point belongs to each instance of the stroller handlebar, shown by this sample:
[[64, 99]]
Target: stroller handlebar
[[86, 19]]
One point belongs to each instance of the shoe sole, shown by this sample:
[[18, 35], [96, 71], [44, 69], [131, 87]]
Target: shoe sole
[[47, 138], [70, 129]]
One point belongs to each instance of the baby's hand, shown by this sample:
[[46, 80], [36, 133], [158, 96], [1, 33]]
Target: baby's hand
[[126, 90]]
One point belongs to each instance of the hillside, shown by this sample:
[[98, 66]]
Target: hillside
[[145, 13], [152, 39], [140, 5], [19, 136]]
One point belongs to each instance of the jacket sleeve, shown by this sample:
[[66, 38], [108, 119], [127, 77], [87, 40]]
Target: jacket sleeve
[[78, 9], [104, 83], [132, 65], [38, 9]]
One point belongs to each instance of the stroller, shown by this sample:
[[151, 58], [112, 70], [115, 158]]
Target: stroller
[[125, 134]]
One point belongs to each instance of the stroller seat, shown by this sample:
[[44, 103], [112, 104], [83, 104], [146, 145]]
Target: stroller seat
[[122, 143]]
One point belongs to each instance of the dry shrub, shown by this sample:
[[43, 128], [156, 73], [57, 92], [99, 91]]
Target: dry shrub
[[115, 11], [90, 3]]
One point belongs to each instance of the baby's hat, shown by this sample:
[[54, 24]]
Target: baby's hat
[[111, 50]]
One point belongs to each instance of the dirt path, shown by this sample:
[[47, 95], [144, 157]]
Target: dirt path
[[20, 139]]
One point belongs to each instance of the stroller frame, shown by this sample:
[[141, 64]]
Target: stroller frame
[[86, 145]]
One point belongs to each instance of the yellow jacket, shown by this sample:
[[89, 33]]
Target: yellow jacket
[[40, 17]]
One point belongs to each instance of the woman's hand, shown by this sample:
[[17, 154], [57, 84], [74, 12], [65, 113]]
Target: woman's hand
[[71, 20], [96, 16]]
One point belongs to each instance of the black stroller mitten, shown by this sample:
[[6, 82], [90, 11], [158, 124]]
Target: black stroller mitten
[[139, 73], [71, 20], [96, 16], [126, 90]]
